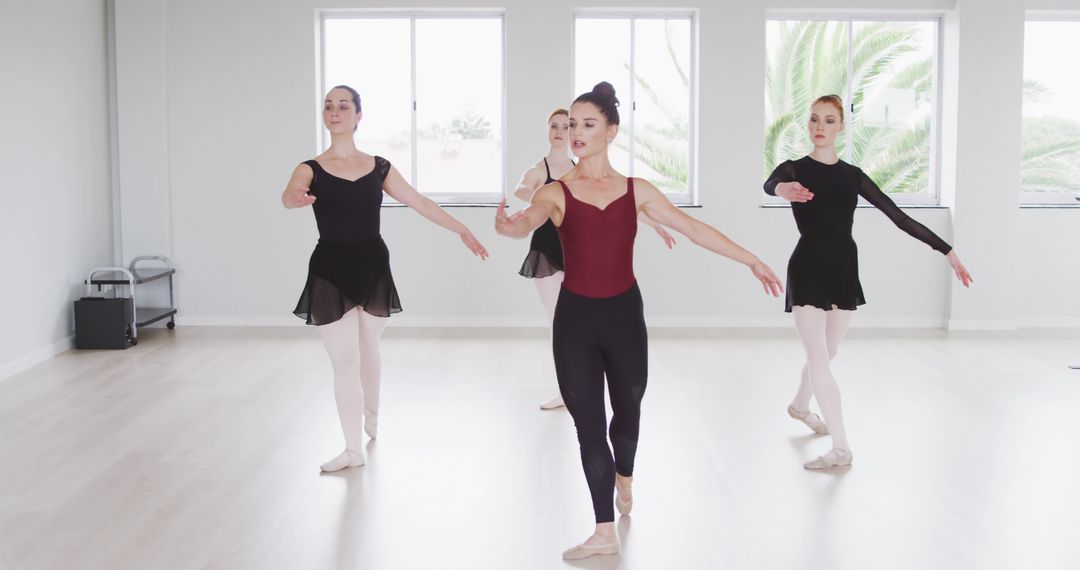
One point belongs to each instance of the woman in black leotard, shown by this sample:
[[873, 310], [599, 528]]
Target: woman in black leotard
[[599, 328], [544, 262], [349, 289], [823, 273]]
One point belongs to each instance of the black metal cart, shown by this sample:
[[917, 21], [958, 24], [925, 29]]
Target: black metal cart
[[143, 269]]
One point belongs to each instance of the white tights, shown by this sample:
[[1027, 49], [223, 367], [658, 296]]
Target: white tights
[[820, 332], [353, 345]]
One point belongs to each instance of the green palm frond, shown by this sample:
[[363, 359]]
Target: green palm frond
[[1034, 91], [1045, 150], [917, 76]]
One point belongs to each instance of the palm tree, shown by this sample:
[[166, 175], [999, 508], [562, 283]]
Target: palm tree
[[1050, 149]]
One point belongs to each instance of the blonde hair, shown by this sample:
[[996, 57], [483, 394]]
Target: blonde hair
[[833, 100]]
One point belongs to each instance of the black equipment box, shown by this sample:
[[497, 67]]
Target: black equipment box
[[104, 323]]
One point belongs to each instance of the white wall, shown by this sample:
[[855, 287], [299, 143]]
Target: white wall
[[56, 217], [239, 99]]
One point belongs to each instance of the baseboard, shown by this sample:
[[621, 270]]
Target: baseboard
[[780, 321], [36, 357], [982, 324], [200, 321], [1050, 322]]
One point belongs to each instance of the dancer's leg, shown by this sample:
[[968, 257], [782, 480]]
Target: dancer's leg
[[627, 365], [811, 324], [580, 369], [836, 326], [548, 289], [341, 339], [371, 328]]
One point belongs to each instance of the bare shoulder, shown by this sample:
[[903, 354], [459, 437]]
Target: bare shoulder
[[303, 173], [536, 175], [645, 190], [550, 192]]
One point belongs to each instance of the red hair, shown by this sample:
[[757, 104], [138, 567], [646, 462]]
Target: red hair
[[556, 112], [833, 100]]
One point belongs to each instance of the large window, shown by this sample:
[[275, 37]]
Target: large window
[[432, 90], [886, 72], [649, 59], [1050, 151]]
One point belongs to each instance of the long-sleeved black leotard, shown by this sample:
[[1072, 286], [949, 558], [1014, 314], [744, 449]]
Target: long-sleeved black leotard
[[823, 270]]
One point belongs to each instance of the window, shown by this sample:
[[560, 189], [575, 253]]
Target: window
[[431, 88], [887, 74], [650, 60], [1050, 139]]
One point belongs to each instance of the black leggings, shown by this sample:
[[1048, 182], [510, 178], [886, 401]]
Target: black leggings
[[591, 338]]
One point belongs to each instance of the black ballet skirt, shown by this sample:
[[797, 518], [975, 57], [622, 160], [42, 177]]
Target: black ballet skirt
[[350, 266], [823, 270], [545, 256]]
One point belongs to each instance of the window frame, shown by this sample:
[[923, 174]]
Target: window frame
[[1046, 199], [932, 197], [453, 198], [691, 196]]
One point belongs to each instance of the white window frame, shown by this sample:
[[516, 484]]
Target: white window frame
[[933, 195], [1044, 199], [690, 197], [442, 197]]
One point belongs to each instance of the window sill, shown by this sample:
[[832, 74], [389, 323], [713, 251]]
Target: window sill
[[901, 206], [1050, 206]]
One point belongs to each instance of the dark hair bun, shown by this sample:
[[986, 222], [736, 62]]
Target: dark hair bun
[[607, 91]]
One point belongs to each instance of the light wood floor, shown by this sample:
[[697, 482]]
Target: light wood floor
[[200, 449]]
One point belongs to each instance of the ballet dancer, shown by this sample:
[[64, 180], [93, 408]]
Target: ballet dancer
[[350, 291]]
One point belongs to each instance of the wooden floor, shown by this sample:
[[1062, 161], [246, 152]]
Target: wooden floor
[[200, 448]]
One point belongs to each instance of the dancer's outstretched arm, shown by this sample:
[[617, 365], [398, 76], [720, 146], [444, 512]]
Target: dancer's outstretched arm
[[296, 192], [545, 203], [881, 201], [653, 202], [396, 186], [532, 179]]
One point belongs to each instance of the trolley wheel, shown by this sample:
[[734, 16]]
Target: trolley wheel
[[170, 325], [134, 341]]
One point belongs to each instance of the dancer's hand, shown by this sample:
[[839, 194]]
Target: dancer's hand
[[298, 198], [669, 240], [508, 225], [794, 192], [958, 268], [473, 244], [768, 279]]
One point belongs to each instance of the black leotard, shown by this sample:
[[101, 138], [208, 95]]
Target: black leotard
[[824, 269], [545, 255], [350, 266]]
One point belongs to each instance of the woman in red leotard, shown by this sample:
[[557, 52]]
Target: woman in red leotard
[[599, 327], [544, 262]]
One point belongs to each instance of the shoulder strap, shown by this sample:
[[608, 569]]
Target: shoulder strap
[[548, 169], [316, 168], [383, 166]]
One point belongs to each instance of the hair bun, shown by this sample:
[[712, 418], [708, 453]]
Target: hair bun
[[606, 90]]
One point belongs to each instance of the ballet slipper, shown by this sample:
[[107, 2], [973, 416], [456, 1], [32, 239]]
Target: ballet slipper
[[834, 458], [347, 458], [582, 551], [554, 403], [810, 419]]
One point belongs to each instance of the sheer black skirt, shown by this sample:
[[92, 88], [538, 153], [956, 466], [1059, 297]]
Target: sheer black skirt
[[823, 272], [545, 253], [342, 276]]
